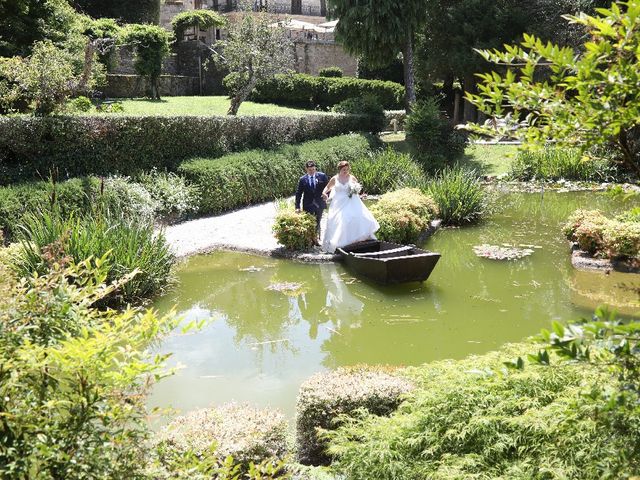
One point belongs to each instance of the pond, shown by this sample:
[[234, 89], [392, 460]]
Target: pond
[[261, 344]]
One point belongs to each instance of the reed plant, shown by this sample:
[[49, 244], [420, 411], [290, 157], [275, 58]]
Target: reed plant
[[132, 245], [383, 171], [553, 163], [460, 197]]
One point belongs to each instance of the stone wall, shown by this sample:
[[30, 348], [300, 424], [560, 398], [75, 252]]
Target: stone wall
[[130, 86], [313, 56], [125, 58], [170, 8]]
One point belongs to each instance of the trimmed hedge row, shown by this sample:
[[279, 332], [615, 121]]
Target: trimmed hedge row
[[260, 175], [311, 92], [31, 147]]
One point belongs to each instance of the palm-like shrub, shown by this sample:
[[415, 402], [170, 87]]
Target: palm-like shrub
[[49, 237], [459, 195], [403, 215], [381, 172]]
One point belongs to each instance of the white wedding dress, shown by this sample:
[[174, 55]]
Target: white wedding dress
[[349, 219]]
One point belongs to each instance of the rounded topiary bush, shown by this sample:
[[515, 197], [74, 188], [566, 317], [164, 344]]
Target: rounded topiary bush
[[295, 230], [327, 395], [621, 239], [248, 434], [403, 215]]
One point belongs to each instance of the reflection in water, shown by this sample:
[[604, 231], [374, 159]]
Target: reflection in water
[[261, 343]]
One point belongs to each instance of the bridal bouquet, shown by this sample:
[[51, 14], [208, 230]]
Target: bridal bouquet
[[354, 188]]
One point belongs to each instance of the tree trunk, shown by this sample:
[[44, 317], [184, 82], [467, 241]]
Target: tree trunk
[[155, 87], [409, 79], [89, 51], [456, 108], [449, 96], [240, 97], [323, 8], [470, 110]]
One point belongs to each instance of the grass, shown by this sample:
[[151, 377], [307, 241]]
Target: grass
[[486, 159], [200, 106]]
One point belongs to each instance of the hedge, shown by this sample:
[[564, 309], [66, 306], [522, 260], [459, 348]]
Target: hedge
[[30, 147], [310, 92], [256, 176], [327, 395]]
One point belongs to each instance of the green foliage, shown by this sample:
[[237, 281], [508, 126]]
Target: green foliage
[[140, 11], [334, 72], [201, 19], [47, 78], [474, 419], [260, 175], [403, 215], [133, 246], [431, 135], [174, 197], [560, 163], [151, 46], [254, 51], [295, 230], [600, 236], [386, 170], [80, 104], [325, 397], [632, 215], [366, 105], [459, 195], [73, 379], [127, 198], [311, 92], [82, 145], [584, 101], [25, 22], [104, 32]]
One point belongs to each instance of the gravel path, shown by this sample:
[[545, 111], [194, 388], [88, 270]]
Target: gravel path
[[247, 230]]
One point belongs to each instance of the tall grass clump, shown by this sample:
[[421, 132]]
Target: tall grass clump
[[459, 195], [560, 163], [49, 237], [383, 171], [474, 419]]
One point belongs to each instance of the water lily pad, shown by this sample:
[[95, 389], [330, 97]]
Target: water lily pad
[[501, 252]]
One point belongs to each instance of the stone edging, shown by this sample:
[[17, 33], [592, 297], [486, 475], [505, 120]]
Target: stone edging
[[583, 261]]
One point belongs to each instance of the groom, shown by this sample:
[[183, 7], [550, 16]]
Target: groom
[[309, 189]]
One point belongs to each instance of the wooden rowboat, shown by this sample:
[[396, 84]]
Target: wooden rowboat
[[389, 263]]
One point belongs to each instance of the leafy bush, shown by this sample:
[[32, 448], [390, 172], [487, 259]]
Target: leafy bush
[[295, 230], [247, 434], [459, 195], [382, 171], [310, 92], [134, 247], [75, 378], [473, 419], [366, 105], [174, 197], [431, 135], [260, 175], [632, 215], [334, 72], [600, 236], [202, 19], [403, 215], [82, 145], [326, 396], [80, 104], [127, 198], [560, 163]]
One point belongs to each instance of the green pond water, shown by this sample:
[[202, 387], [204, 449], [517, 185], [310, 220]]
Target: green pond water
[[261, 344]]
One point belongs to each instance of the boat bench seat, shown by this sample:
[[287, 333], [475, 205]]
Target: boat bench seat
[[384, 252]]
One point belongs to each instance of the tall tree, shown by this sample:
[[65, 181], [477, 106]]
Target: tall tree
[[254, 50], [378, 30], [151, 45], [139, 11]]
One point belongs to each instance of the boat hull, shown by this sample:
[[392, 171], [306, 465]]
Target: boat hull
[[389, 263]]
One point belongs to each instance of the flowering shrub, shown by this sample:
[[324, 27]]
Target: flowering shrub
[[175, 198], [403, 215], [327, 395], [600, 236], [295, 230]]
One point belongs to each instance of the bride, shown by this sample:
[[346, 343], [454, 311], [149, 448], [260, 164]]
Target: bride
[[349, 219]]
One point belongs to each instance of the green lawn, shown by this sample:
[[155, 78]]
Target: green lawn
[[488, 159], [200, 106]]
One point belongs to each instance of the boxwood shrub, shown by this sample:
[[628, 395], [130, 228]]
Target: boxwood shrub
[[256, 176], [32, 147], [311, 92]]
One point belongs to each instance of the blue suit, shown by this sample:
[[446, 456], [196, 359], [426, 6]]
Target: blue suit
[[311, 195]]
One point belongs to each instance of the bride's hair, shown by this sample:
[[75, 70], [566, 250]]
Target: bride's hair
[[342, 164]]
